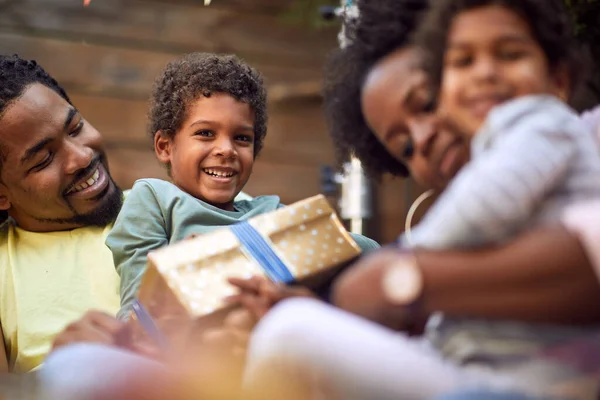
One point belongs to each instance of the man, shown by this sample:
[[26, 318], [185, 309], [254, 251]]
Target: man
[[57, 202]]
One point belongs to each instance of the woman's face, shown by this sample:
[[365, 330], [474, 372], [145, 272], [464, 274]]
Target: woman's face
[[398, 107]]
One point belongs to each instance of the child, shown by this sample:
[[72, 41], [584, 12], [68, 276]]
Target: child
[[208, 121], [517, 56], [532, 155]]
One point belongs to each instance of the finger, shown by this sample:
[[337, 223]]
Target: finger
[[258, 306], [233, 299], [271, 290], [251, 284], [103, 321], [88, 335]]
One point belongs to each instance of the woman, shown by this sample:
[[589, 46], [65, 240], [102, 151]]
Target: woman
[[377, 79]]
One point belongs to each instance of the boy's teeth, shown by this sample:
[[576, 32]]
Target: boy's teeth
[[218, 173]]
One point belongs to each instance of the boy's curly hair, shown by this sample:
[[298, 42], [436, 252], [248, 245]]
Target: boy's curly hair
[[199, 74], [382, 27], [548, 20]]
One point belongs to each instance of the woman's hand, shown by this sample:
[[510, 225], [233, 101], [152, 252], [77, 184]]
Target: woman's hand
[[359, 290], [259, 294]]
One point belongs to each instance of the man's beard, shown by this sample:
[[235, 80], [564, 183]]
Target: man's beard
[[102, 215]]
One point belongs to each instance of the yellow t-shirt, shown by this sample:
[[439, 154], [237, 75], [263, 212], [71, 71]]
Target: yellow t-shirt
[[48, 280]]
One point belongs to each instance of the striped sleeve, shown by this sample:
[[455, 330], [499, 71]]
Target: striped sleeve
[[497, 193]]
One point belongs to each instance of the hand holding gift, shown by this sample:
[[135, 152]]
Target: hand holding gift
[[258, 294], [185, 287]]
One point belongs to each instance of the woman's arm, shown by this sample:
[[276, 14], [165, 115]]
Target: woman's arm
[[542, 276]]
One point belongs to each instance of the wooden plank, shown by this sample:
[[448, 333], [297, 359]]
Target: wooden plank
[[290, 182], [168, 27], [114, 72], [296, 138], [119, 120]]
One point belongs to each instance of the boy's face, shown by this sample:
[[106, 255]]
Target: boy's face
[[492, 57], [211, 156], [397, 105], [54, 174]]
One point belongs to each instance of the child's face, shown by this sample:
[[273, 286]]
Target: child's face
[[397, 105], [492, 57], [211, 156]]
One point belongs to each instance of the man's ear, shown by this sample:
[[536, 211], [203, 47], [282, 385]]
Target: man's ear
[[162, 147], [5, 203]]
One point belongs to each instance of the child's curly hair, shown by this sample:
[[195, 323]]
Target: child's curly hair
[[382, 27], [199, 74], [548, 20]]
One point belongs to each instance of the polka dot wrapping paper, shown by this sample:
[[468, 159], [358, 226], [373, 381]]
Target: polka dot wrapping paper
[[189, 279]]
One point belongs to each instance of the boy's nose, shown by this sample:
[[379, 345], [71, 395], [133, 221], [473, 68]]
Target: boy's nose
[[224, 148]]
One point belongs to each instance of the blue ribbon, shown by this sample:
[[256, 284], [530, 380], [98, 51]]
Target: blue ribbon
[[259, 249], [147, 323]]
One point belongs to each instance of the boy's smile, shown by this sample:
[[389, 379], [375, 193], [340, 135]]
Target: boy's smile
[[212, 154]]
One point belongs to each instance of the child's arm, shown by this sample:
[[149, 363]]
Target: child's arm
[[497, 193], [139, 229]]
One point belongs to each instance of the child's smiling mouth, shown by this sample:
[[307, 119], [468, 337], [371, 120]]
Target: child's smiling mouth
[[220, 174]]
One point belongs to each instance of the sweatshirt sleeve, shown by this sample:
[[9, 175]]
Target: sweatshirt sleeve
[[139, 229]]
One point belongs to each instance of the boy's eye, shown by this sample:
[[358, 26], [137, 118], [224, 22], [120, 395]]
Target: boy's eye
[[244, 138], [204, 133]]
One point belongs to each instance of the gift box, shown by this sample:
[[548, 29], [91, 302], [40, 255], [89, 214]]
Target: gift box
[[185, 283]]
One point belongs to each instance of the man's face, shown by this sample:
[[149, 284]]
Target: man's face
[[54, 173]]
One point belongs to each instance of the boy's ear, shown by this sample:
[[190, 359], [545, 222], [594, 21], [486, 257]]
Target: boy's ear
[[562, 83], [162, 147], [5, 203]]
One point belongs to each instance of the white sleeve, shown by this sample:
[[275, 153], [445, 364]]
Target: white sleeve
[[498, 191]]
